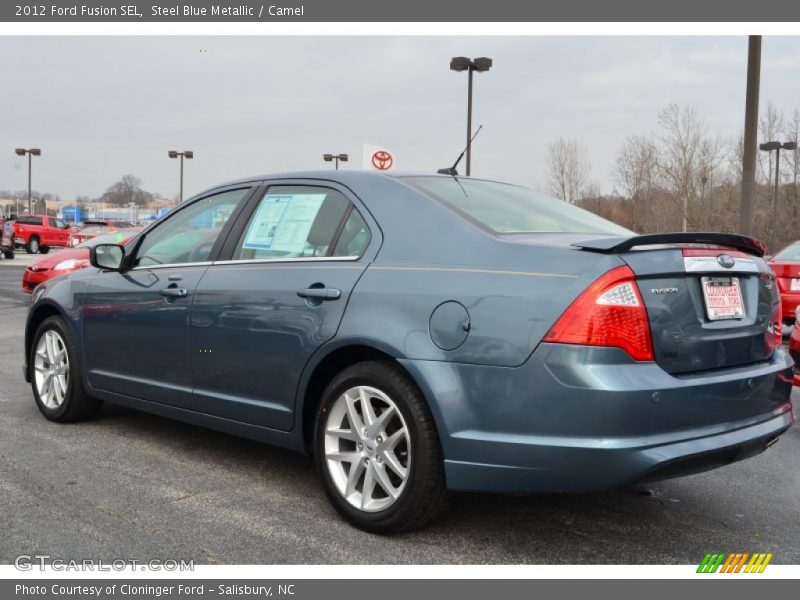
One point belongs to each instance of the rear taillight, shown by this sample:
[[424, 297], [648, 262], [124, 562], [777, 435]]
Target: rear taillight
[[610, 312], [774, 334]]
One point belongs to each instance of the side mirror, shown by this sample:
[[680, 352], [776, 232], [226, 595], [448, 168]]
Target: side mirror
[[107, 256]]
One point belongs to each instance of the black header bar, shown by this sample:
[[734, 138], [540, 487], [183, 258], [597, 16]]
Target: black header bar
[[399, 11]]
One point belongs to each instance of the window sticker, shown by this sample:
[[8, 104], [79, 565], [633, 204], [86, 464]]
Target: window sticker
[[282, 222]]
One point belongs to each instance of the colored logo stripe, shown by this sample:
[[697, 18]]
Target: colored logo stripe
[[734, 562]]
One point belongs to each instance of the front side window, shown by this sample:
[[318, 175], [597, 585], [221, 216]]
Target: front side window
[[189, 234], [293, 222], [58, 223], [504, 208]]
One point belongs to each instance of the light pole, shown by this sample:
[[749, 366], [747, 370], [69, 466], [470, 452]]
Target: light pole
[[335, 158], [185, 154], [777, 147], [31, 152], [462, 63]]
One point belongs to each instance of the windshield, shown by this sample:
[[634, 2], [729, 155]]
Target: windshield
[[116, 237], [790, 254], [505, 208]]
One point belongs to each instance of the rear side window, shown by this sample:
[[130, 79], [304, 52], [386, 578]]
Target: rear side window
[[791, 253], [504, 208], [354, 238], [294, 222], [30, 220]]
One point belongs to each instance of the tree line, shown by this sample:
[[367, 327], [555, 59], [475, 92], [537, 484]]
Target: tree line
[[683, 177], [120, 194]]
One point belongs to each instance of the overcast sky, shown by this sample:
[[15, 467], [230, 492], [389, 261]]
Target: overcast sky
[[101, 107]]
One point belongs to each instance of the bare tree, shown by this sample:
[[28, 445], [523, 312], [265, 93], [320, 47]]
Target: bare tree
[[791, 133], [689, 158], [636, 172], [770, 127], [567, 169], [127, 190]]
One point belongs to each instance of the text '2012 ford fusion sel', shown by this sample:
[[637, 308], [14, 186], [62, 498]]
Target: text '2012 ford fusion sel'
[[424, 333]]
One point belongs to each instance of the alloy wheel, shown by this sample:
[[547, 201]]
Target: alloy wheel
[[367, 448], [51, 369]]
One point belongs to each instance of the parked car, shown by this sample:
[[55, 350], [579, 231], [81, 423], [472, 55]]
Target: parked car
[[786, 266], [70, 259], [794, 352], [39, 233], [6, 234], [114, 223], [424, 333], [87, 232]]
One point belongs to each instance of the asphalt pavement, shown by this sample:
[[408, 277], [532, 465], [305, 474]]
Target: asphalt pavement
[[133, 486]]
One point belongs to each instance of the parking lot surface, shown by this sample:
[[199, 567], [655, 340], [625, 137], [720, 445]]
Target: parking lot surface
[[134, 486]]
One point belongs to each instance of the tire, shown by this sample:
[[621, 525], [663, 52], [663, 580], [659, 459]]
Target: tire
[[422, 494], [32, 247], [75, 404], [44, 249], [9, 254]]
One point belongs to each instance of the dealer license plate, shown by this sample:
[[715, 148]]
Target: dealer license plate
[[795, 286], [723, 298]]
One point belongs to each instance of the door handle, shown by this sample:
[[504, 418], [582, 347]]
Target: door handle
[[174, 292], [320, 293]]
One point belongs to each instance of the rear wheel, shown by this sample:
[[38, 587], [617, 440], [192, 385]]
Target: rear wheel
[[55, 374], [377, 450], [32, 247]]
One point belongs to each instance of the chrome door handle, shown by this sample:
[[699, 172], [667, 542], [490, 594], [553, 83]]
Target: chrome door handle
[[320, 293], [174, 292]]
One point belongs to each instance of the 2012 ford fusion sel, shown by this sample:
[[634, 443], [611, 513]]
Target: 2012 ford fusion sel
[[424, 333]]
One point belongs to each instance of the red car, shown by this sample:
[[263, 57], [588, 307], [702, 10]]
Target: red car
[[786, 266], [71, 259], [6, 234], [39, 233]]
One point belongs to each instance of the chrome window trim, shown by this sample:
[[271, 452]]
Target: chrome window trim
[[206, 263], [300, 259], [247, 261], [709, 264]]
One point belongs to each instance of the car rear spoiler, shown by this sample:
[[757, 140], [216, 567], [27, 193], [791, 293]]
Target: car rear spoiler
[[616, 245]]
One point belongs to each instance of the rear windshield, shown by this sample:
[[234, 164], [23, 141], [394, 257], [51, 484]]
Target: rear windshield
[[505, 208], [791, 253]]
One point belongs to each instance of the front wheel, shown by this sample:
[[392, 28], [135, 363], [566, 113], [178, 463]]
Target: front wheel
[[377, 450], [55, 374]]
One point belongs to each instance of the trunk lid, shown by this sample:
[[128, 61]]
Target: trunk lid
[[711, 299]]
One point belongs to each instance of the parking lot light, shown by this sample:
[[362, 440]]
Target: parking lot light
[[336, 158], [776, 147], [481, 65], [182, 155], [31, 152]]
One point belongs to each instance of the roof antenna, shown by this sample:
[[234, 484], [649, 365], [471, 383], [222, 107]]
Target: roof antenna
[[452, 170]]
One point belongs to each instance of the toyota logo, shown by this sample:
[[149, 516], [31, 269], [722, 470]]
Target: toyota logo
[[726, 260], [382, 160]]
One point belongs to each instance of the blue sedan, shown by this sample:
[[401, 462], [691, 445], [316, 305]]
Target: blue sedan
[[418, 334]]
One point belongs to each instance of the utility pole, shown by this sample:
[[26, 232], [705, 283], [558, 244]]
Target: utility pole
[[750, 135]]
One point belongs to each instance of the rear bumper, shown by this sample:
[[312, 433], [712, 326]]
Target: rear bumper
[[30, 279], [575, 419], [606, 464]]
